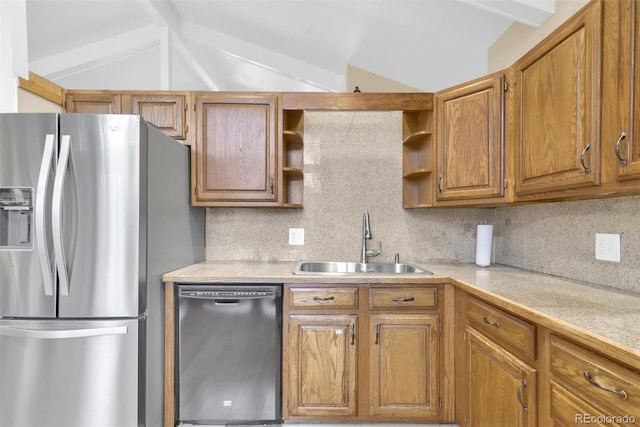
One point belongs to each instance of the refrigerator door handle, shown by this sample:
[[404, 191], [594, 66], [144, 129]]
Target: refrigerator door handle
[[62, 334], [40, 204], [58, 183]]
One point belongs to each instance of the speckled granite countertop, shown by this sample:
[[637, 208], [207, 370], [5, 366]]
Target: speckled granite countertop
[[604, 313]]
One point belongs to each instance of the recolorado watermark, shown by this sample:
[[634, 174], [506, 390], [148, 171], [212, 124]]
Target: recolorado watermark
[[604, 419]]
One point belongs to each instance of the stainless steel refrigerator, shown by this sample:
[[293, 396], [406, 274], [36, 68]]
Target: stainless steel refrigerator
[[93, 209]]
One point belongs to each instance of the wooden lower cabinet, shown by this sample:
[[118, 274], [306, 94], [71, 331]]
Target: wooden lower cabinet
[[501, 388], [323, 365], [346, 360], [404, 365], [588, 388]]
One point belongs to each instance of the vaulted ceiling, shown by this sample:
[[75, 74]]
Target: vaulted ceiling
[[279, 45]]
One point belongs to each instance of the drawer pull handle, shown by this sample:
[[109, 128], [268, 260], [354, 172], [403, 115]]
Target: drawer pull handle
[[620, 393], [520, 390], [489, 322], [377, 333], [400, 299], [324, 298]]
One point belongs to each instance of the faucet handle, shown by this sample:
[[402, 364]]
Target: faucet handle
[[374, 252], [397, 258]]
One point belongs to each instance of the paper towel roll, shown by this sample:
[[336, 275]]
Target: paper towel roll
[[483, 245]]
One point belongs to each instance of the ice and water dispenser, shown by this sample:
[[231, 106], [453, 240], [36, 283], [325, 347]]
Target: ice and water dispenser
[[16, 218]]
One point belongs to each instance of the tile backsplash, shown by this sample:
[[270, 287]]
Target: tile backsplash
[[353, 163]]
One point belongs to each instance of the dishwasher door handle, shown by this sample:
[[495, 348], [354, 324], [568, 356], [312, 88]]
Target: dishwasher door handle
[[226, 301]]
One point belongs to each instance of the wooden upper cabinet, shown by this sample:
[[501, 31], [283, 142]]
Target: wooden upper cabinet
[[92, 102], [236, 150], [164, 109], [557, 139], [469, 143], [167, 111], [627, 144]]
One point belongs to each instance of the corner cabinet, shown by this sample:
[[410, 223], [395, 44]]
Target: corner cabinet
[[236, 150], [558, 84], [346, 360], [470, 142]]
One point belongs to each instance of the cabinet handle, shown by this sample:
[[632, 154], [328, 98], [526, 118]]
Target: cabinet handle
[[522, 386], [400, 299], [271, 184], [377, 333], [440, 184], [584, 152], [324, 298], [486, 320], [353, 334], [620, 393], [623, 162]]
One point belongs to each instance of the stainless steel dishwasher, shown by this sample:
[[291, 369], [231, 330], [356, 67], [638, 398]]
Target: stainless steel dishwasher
[[229, 354]]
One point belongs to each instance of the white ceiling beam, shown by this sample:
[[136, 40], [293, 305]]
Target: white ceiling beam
[[165, 15], [529, 12], [97, 53], [261, 57]]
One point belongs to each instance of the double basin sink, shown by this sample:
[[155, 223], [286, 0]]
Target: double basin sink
[[338, 267]]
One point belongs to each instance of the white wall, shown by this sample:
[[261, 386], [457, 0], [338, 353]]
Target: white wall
[[13, 51], [520, 38]]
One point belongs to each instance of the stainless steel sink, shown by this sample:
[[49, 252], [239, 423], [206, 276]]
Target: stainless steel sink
[[338, 267]]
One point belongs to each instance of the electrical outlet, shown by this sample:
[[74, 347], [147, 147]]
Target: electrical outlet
[[296, 236], [608, 247]]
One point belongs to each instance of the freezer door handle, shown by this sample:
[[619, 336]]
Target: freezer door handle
[[58, 183], [40, 204], [62, 334]]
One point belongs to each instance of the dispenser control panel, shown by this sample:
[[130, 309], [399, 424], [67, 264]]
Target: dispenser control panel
[[16, 218]]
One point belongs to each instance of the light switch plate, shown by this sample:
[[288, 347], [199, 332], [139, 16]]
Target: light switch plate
[[296, 236], [608, 247]]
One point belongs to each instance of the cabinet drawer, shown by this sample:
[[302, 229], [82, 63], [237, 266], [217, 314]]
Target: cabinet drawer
[[324, 297], [596, 378], [511, 332], [403, 298]]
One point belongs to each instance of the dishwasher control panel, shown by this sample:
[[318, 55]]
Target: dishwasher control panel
[[229, 291]]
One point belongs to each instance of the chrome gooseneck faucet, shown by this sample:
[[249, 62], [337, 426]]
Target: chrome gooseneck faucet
[[366, 235]]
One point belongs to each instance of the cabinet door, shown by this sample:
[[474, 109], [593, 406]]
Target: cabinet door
[[501, 389], [322, 371], [404, 360], [470, 140], [92, 102], [558, 96], [235, 155], [165, 111], [627, 146]]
